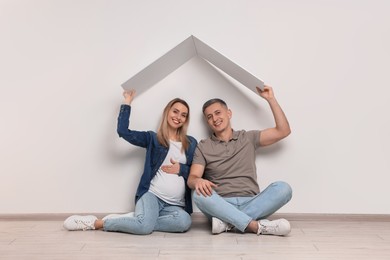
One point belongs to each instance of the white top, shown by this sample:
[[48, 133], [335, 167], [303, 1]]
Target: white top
[[167, 186]]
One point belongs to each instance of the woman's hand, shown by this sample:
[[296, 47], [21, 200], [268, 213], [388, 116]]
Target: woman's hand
[[129, 96], [174, 168]]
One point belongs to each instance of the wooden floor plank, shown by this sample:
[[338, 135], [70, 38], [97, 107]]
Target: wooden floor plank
[[309, 239]]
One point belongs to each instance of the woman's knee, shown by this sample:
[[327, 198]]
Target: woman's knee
[[184, 222], [143, 231], [142, 227]]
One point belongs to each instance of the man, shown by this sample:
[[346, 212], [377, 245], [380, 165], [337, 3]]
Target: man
[[223, 172]]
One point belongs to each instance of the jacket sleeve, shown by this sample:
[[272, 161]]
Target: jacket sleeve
[[138, 138], [185, 168]]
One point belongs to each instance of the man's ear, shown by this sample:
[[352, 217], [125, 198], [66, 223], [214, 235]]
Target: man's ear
[[230, 113]]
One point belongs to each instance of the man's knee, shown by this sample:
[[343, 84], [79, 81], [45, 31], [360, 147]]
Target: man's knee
[[198, 199], [284, 189], [207, 204]]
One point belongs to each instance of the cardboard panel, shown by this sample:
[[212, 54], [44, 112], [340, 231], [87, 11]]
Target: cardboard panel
[[226, 65], [180, 54], [162, 67]]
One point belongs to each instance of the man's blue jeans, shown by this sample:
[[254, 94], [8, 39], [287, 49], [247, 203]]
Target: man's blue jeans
[[240, 211], [151, 214]]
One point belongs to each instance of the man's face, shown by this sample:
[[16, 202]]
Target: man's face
[[218, 117]]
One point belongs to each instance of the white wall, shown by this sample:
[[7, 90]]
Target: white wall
[[62, 63]]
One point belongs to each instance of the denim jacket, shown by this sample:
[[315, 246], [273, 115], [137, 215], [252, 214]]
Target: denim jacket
[[155, 154]]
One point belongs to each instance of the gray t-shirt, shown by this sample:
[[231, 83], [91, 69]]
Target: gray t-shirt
[[231, 165]]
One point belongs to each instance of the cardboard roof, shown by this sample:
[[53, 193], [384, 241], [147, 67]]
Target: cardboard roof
[[180, 54]]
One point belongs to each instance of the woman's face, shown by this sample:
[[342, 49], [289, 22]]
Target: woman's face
[[177, 115]]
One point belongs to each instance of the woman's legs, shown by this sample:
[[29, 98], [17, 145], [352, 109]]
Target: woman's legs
[[145, 219], [173, 219], [151, 214]]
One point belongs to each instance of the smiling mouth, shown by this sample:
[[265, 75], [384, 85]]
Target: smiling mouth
[[218, 123]]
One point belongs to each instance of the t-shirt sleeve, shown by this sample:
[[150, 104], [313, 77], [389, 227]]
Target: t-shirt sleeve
[[254, 137], [198, 157]]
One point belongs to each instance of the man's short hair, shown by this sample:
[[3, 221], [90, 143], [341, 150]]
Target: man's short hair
[[213, 101]]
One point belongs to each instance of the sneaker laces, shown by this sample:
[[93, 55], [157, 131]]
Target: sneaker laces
[[265, 229], [227, 225], [85, 225], [219, 226]]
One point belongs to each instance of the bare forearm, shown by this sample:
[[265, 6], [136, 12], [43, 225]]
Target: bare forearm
[[192, 181], [200, 185], [280, 118]]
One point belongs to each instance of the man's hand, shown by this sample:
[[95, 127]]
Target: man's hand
[[204, 187], [197, 183], [267, 93]]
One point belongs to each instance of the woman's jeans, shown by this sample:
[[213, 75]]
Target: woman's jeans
[[151, 214], [240, 211]]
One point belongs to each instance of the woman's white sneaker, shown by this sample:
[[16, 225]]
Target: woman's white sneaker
[[278, 227], [77, 222]]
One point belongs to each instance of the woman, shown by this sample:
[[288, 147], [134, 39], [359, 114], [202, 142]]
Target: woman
[[163, 200]]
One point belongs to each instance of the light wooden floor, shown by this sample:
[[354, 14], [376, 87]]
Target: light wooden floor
[[326, 238]]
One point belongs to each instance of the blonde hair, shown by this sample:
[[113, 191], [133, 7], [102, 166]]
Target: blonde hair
[[162, 132]]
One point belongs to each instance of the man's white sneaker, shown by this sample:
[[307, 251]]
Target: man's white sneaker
[[218, 226], [77, 222], [279, 227], [113, 216]]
